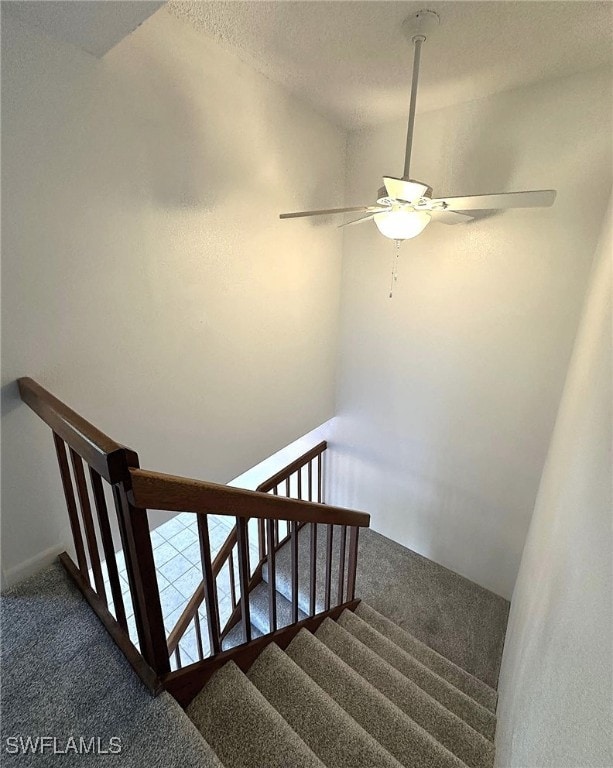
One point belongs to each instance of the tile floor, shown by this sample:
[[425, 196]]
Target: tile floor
[[176, 552]]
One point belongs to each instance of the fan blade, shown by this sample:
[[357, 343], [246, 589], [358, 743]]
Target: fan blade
[[354, 209], [358, 221], [450, 217], [533, 199]]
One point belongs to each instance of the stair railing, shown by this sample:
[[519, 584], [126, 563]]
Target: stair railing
[[301, 479], [114, 471], [80, 445]]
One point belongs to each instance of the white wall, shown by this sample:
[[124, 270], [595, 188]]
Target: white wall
[[281, 458], [147, 280], [448, 392], [556, 679]]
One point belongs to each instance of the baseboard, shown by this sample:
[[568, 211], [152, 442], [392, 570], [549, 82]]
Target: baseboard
[[28, 568]]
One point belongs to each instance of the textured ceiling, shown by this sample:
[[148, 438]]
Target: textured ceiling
[[351, 61], [93, 25]]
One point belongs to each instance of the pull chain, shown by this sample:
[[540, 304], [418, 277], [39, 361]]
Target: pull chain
[[395, 258]]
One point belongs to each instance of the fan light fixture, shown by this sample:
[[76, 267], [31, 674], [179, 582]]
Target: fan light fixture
[[405, 205], [400, 224]]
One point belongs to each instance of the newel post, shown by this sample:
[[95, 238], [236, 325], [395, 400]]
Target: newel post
[[140, 568]]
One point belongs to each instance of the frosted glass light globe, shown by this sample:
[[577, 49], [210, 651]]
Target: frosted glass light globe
[[401, 224]]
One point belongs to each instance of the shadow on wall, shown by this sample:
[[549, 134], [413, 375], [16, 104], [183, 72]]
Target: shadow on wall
[[193, 143], [487, 167], [173, 148], [484, 164], [430, 501], [9, 398], [186, 149]]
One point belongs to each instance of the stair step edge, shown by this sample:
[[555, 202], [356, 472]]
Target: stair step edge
[[445, 726], [258, 607], [399, 734], [243, 728], [335, 737], [469, 710], [461, 678]]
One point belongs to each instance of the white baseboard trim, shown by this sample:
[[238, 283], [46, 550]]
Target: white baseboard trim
[[29, 567]]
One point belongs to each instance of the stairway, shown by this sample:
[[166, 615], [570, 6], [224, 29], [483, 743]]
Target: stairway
[[358, 692]]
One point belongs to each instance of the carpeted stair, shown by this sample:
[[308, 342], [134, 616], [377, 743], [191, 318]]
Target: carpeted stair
[[258, 609], [358, 693]]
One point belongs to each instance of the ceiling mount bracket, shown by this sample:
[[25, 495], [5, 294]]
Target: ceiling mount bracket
[[420, 25]]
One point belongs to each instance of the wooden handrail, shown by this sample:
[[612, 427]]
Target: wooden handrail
[[295, 466], [102, 453], [89, 452], [77, 439], [155, 490]]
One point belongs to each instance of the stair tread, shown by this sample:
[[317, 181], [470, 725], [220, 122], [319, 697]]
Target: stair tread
[[332, 734], [408, 742], [258, 608], [235, 636], [452, 732], [158, 730], [463, 681], [460, 678], [477, 716], [243, 728], [283, 567]]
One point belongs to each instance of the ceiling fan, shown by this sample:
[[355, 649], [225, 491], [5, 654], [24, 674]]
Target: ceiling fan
[[404, 206]]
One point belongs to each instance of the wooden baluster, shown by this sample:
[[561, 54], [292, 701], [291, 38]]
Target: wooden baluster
[[108, 547], [210, 586], [310, 479], [328, 581], [300, 483], [247, 550], [287, 488], [198, 636], [320, 485], [178, 657], [272, 579], [262, 538], [275, 492], [142, 577], [341, 565], [243, 575], [353, 562], [313, 564], [232, 579], [88, 522], [294, 558], [75, 526]]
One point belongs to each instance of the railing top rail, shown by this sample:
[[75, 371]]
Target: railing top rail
[[154, 490], [109, 458], [295, 465]]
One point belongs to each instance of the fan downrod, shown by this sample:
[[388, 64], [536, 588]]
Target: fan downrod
[[417, 28]]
